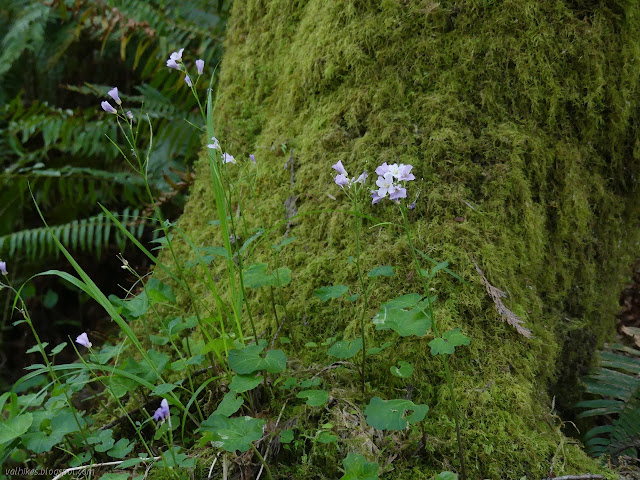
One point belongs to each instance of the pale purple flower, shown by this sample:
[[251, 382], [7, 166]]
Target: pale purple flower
[[113, 93], [398, 193], [188, 80], [228, 158], [106, 106], [341, 181], [252, 158], [412, 206], [361, 179], [3, 268], [339, 168], [174, 58], [375, 197], [404, 173], [382, 169], [162, 413], [386, 184], [200, 66], [129, 115], [215, 145], [83, 340]]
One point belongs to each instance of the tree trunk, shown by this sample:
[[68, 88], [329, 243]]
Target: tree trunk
[[521, 120]]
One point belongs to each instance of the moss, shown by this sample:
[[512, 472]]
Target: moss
[[519, 116]]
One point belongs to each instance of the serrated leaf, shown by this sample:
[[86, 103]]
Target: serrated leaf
[[383, 271], [315, 398], [248, 360], [232, 434], [402, 370], [391, 414], [356, 467], [345, 348], [329, 292]]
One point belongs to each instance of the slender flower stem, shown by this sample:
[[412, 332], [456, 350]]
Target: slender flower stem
[[436, 332], [262, 461], [365, 307]]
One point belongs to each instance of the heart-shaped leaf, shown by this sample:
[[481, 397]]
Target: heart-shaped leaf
[[406, 315], [231, 434], [403, 370], [446, 345], [315, 398], [390, 414], [248, 360], [345, 348], [329, 292], [356, 467]]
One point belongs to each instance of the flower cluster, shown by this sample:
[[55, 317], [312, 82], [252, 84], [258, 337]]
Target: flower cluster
[[343, 180], [388, 178], [107, 107], [226, 157], [162, 413], [175, 62]]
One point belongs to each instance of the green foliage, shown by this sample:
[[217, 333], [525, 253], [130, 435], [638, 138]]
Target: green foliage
[[231, 434], [616, 381], [390, 414], [356, 467]]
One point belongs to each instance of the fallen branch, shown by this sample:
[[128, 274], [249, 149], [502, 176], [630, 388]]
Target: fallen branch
[[85, 467]]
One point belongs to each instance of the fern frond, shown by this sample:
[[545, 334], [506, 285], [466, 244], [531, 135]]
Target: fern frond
[[620, 382], [88, 235]]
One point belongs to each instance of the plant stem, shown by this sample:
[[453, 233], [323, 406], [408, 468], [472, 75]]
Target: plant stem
[[364, 293], [262, 460], [436, 332]]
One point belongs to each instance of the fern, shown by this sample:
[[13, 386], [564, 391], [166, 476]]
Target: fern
[[88, 235], [617, 380]]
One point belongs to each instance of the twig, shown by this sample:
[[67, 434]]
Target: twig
[[333, 365], [266, 453], [85, 467], [212, 465]]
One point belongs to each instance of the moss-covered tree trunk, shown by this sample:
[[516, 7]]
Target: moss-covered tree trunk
[[521, 119]]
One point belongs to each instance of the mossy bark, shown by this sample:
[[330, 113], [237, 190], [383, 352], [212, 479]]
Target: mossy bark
[[521, 120]]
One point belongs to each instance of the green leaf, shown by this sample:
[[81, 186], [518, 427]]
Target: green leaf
[[244, 383], [376, 350], [403, 370], [58, 348], [121, 449], [286, 436], [406, 315], [345, 348], [390, 414], [15, 427], [447, 344], [229, 405], [384, 271], [248, 360], [329, 292], [256, 276], [326, 437], [315, 398], [159, 339], [159, 292], [447, 476], [36, 348], [163, 388], [231, 434], [278, 246], [356, 467], [115, 476], [50, 299]]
